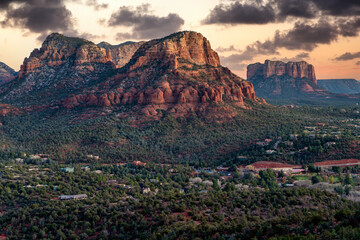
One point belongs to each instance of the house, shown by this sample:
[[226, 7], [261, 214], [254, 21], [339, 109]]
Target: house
[[293, 136], [208, 183], [289, 143], [111, 181], [139, 163], [93, 157], [330, 143], [270, 151], [297, 170], [35, 156], [67, 169], [146, 190], [262, 143], [195, 180], [241, 158], [222, 169], [86, 168], [73, 197]]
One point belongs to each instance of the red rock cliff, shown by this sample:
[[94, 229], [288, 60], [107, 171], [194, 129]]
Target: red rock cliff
[[180, 71], [176, 70], [183, 47], [293, 69], [58, 49]]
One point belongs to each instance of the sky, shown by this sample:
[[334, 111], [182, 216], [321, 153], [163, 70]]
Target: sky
[[325, 33]]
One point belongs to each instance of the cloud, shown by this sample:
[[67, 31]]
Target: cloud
[[235, 12], [295, 8], [228, 49], [299, 57], [304, 36], [235, 61], [144, 23], [349, 27], [338, 7], [41, 17], [348, 56], [36, 15], [97, 6], [358, 63], [250, 12]]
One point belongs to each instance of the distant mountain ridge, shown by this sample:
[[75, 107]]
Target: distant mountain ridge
[[340, 86], [6, 73]]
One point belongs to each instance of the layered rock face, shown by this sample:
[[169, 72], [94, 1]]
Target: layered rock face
[[292, 69], [279, 80], [179, 69], [176, 73], [122, 53], [6, 73], [183, 47], [58, 50]]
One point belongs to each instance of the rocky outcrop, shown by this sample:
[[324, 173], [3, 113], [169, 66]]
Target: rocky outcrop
[[285, 81], [6, 73], [164, 94], [292, 69], [179, 69], [58, 50], [122, 53], [184, 47], [180, 72]]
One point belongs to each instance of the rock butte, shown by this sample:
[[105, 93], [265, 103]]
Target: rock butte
[[178, 73], [275, 79], [293, 69]]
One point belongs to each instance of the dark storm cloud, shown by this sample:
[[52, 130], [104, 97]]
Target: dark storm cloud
[[144, 23], [306, 36], [303, 36], [42, 17], [295, 8], [348, 56], [349, 27], [36, 15], [338, 7], [249, 12], [270, 11]]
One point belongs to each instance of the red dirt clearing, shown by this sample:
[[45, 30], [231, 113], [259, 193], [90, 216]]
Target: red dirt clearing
[[266, 164], [344, 162]]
